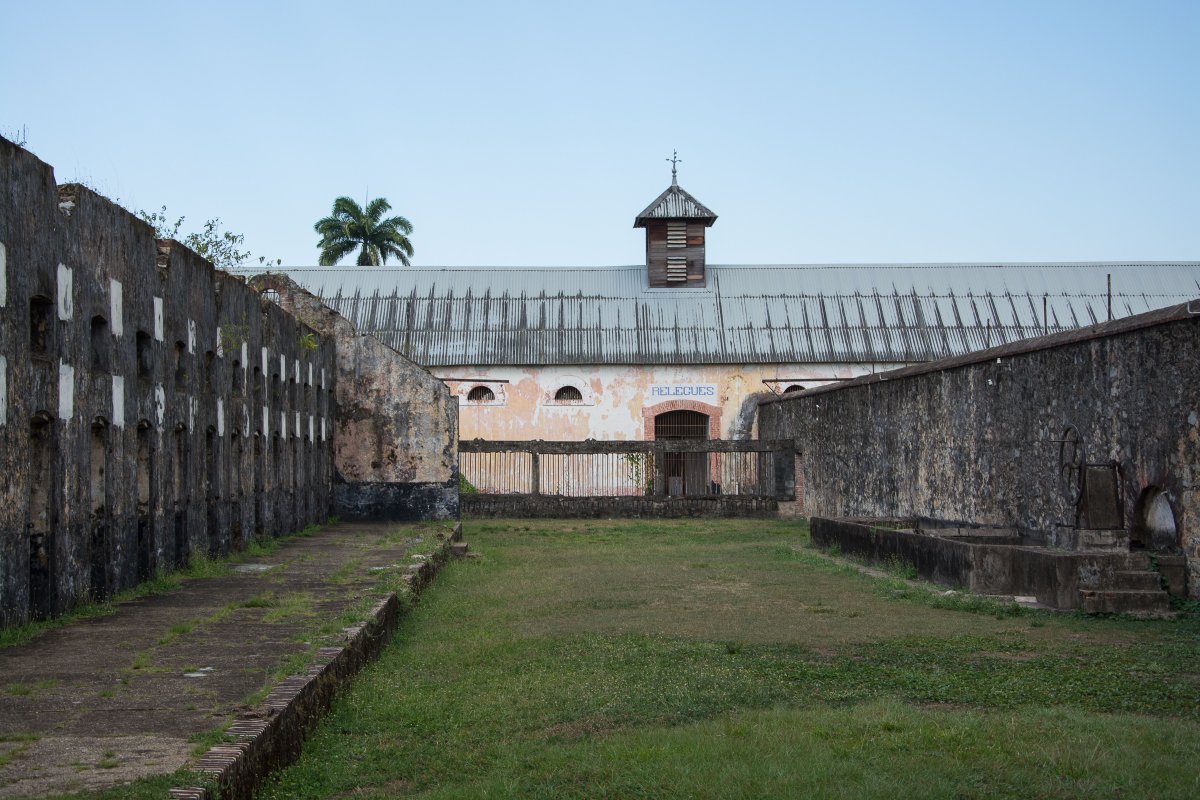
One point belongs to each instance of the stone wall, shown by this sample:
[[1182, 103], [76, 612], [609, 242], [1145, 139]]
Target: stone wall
[[396, 430], [975, 439], [151, 407]]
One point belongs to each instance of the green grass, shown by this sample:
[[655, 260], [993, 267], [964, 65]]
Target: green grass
[[728, 659]]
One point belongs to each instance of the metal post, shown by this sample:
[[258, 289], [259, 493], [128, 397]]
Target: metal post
[[535, 466], [660, 471]]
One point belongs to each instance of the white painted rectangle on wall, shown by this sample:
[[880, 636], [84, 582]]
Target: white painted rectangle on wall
[[220, 417], [3, 390], [116, 307], [158, 319], [3, 275], [66, 297], [66, 390], [264, 368], [191, 337], [118, 401], [266, 421]]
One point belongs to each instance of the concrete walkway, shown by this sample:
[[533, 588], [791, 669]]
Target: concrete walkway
[[104, 701]]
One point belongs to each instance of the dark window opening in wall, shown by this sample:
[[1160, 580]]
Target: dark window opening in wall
[[41, 538], [209, 373], [795, 387], [99, 502], [145, 519], [237, 538], [41, 325], [180, 366], [259, 512], [101, 344], [236, 384], [212, 485], [98, 465], [481, 394], [145, 355], [179, 497], [568, 394]]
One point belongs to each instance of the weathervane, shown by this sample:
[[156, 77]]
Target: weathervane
[[674, 159]]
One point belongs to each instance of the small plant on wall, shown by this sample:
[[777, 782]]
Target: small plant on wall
[[308, 342]]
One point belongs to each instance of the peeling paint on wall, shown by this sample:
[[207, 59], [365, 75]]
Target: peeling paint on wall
[[160, 406], [615, 397], [191, 334]]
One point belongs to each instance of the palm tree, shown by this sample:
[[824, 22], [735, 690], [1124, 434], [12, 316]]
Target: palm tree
[[349, 227]]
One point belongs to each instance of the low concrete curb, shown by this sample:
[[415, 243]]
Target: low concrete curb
[[270, 737]]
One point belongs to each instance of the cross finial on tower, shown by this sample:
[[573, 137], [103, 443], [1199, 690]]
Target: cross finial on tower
[[674, 159]]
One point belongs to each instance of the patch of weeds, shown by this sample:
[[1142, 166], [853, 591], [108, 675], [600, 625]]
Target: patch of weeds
[[24, 689], [141, 661], [291, 605], [108, 760], [203, 741], [175, 631], [202, 565], [347, 572], [261, 600], [22, 742]]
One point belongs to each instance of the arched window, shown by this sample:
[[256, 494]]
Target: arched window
[[480, 394], [795, 387], [568, 394]]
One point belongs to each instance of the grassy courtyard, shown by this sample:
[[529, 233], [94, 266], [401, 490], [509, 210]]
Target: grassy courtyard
[[726, 659]]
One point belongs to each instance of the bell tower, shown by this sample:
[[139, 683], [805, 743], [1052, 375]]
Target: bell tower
[[675, 224]]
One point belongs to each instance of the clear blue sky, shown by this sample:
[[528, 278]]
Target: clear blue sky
[[532, 133]]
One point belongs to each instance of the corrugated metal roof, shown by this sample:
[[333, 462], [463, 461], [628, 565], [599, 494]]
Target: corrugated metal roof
[[675, 203], [821, 313]]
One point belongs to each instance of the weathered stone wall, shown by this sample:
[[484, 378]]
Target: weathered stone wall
[[396, 431], [972, 439], [151, 407]]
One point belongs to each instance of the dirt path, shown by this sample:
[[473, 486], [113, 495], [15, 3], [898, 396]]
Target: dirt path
[[107, 700]]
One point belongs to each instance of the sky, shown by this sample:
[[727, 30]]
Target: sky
[[532, 133]]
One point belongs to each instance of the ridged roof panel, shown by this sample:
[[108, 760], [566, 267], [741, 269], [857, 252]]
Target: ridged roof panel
[[746, 314], [675, 203]]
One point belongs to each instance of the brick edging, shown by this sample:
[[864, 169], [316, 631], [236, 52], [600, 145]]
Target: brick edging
[[270, 737]]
